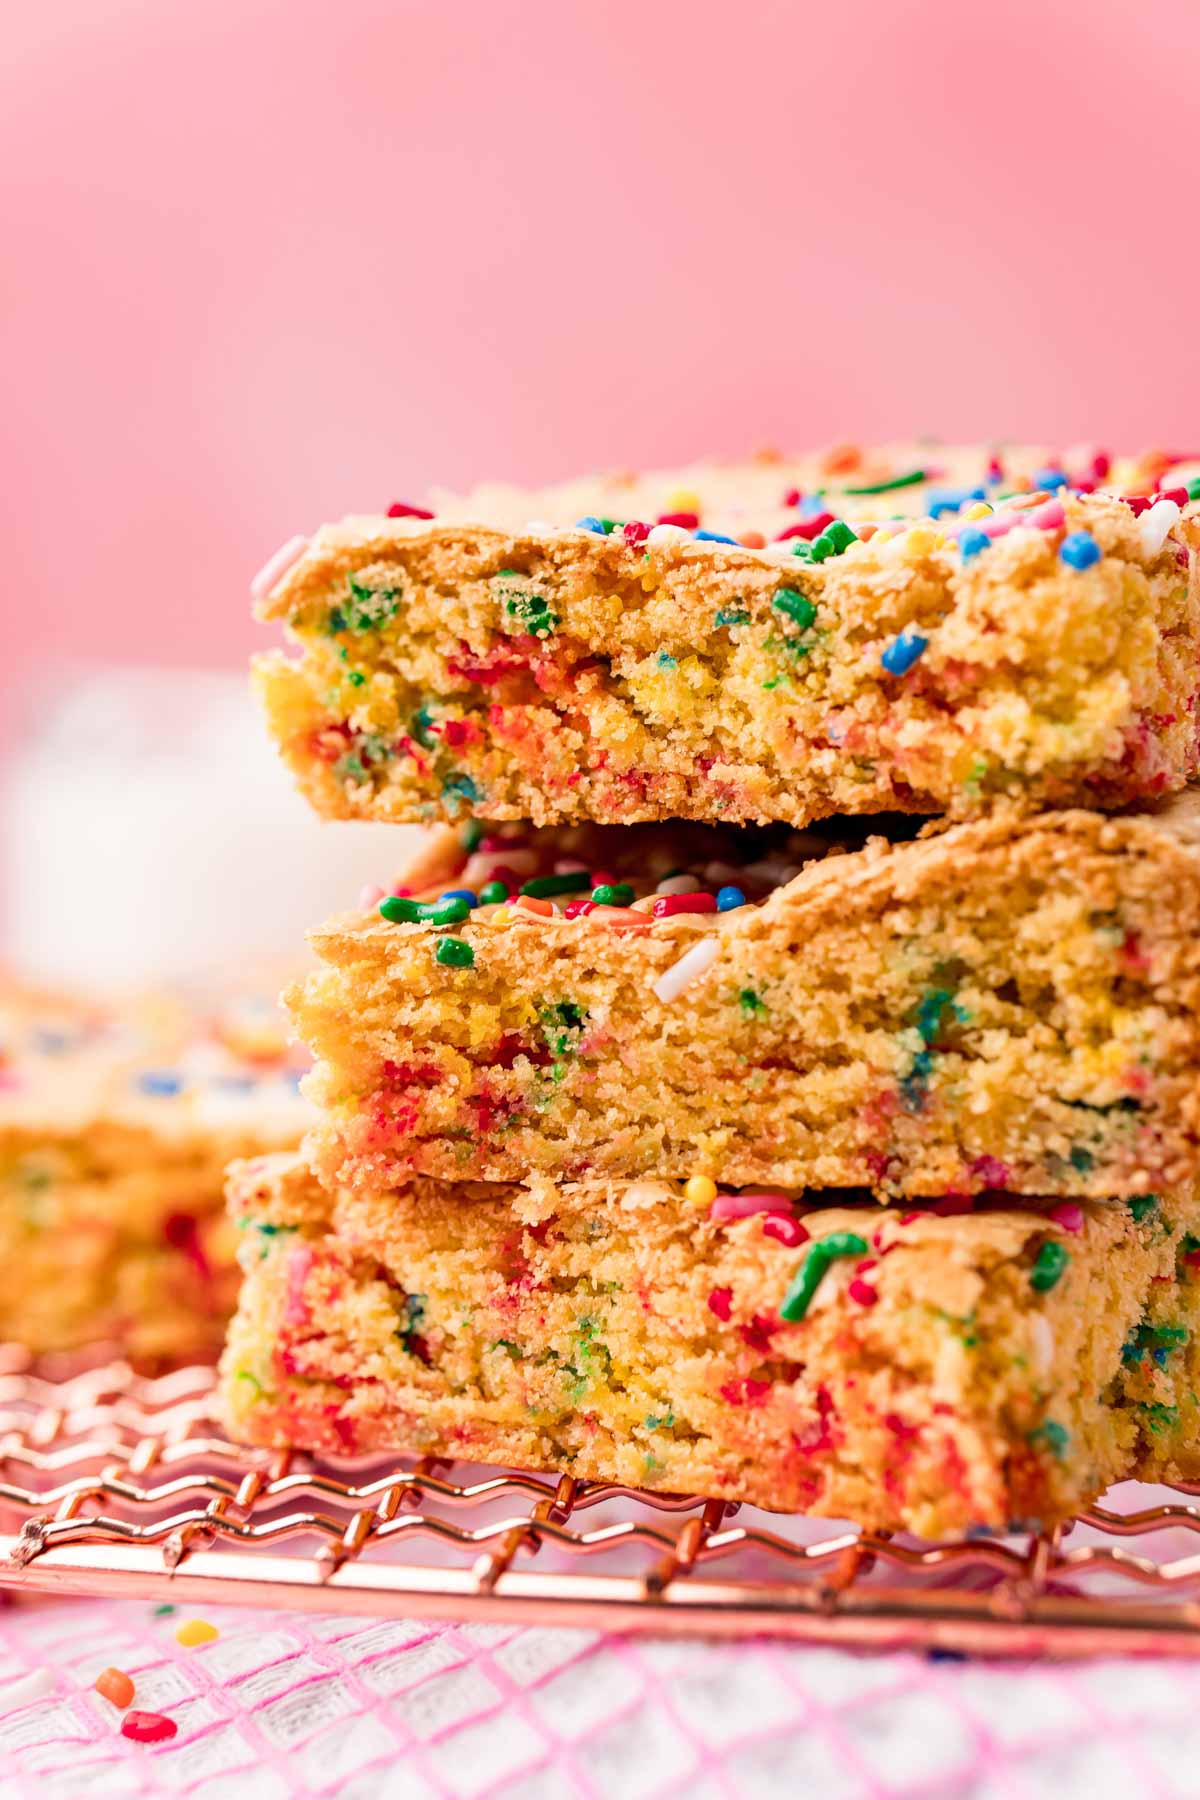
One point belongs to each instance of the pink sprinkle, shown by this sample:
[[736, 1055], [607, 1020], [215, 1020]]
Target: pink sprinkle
[[285, 558], [1047, 517], [720, 1301], [998, 524], [398, 510], [785, 1231], [1069, 1215], [400, 892], [862, 1291], [300, 1263], [370, 896], [741, 1206]]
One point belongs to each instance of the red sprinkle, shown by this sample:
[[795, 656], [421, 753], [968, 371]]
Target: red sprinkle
[[689, 521], [635, 532], [398, 510], [720, 1301], [670, 904], [578, 909], [1069, 1214], [862, 1291], [786, 1231], [1179, 495], [1137, 503], [807, 528], [148, 1727]]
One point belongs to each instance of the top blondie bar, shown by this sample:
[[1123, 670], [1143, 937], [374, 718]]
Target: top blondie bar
[[914, 628]]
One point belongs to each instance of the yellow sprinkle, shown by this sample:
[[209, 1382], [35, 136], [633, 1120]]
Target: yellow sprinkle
[[502, 916], [196, 1631], [700, 1191], [920, 540], [978, 509], [683, 500]]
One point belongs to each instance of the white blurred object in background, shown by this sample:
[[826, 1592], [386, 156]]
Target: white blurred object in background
[[150, 834]]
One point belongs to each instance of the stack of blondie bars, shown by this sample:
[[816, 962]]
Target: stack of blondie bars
[[779, 1078]]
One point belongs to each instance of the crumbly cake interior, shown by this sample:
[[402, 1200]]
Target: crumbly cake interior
[[935, 1373], [1008, 1005]]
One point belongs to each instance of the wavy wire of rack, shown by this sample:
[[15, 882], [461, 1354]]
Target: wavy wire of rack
[[114, 1483]]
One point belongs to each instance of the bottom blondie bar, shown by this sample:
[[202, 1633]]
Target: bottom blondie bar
[[931, 1370]]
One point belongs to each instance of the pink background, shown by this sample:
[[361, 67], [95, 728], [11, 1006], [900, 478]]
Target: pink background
[[272, 260]]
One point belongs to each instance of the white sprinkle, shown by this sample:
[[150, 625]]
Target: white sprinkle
[[669, 534], [1043, 1342], [692, 964], [25, 1691], [274, 571], [678, 884], [1155, 524]]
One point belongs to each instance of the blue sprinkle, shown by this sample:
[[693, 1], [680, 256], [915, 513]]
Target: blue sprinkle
[[590, 524], [903, 651], [467, 894], [1050, 479], [160, 1081], [729, 897], [972, 541], [666, 661], [1080, 550], [948, 500], [711, 537]]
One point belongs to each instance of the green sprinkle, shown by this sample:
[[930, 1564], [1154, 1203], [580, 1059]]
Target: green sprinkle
[[660, 1422], [545, 887], [730, 615], [452, 953], [457, 789], [398, 911], [812, 1271], [613, 893], [366, 608], [1081, 1160], [1142, 1207], [471, 835], [840, 536], [803, 549], [667, 661], [1056, 1437], [355, 677], [1193, 488], [796, 606], [162, 1612], [419, 729], [492, 892], [1048, 1270], [913, 479], [750, 1003], [1160, 1417]]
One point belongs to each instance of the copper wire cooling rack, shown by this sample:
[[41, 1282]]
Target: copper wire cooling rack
[[111, 1483]]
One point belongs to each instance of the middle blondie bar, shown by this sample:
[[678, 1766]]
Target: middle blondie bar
[[1012, 1005]]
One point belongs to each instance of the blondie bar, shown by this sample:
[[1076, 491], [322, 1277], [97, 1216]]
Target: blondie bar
[[779, 642], [907, 1370], [115, 1128], [1012, 1004]]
